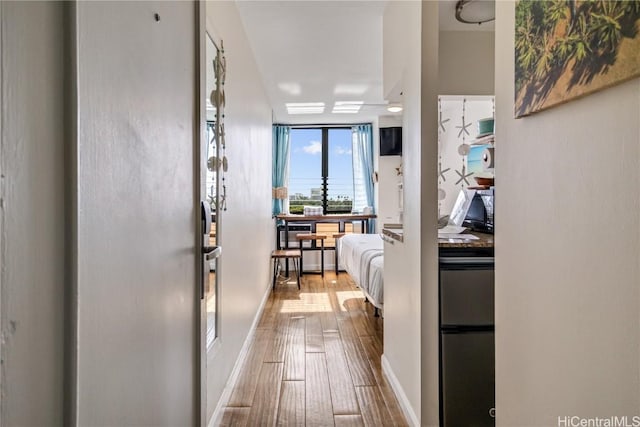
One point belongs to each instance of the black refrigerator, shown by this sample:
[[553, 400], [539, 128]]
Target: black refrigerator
[[467, 353]]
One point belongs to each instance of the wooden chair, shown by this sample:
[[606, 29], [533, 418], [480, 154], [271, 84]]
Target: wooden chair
[[313, 238], [293, 254], [336, 238]]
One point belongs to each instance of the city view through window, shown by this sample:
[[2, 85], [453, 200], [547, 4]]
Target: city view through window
[[321, 170]]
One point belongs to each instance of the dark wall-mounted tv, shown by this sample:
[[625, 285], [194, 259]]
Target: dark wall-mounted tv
[[391, 141]]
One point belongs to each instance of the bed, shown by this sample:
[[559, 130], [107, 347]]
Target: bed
[[362, 257]]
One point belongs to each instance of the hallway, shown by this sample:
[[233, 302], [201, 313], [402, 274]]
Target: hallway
[[314, 360]]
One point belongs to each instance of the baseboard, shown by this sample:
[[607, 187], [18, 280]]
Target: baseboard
[[216, 417], [408, 411]]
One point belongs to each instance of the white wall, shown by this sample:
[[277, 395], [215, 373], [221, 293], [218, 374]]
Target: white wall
[[32, 210], [388, 187], [466, 63], [402, 323], [248, 232], [390, 121], [429, 332], [388, 179], [567, 252], [395, 33]]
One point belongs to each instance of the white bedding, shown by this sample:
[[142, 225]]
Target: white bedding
[[362, 257]]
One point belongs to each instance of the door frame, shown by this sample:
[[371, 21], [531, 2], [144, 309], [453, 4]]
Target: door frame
[[200, 131]]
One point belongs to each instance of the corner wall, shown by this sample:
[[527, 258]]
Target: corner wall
[[248, 232], [429, 332], [567, 252], [32, 223], [466, 63], [402, 274]]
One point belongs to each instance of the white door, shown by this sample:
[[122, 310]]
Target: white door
[[138, 211]]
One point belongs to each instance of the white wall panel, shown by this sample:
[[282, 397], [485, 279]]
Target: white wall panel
[[466, 63], [402, 279], [248, 232], [567, 250], [32, 211], [429, 332]]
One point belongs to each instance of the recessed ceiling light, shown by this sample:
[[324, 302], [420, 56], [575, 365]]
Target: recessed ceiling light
[[305, 107], [394, 108], [293, 89], [347, 107], [350, 89]]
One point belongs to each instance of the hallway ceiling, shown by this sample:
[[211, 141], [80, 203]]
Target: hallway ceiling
[[319, 53]]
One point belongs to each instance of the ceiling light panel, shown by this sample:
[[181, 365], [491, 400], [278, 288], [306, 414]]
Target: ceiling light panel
[[305, 107], [347, 107], [350, 89], [292, 89]]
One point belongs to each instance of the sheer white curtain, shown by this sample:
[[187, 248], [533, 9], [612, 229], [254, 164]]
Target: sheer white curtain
[[362, 144]]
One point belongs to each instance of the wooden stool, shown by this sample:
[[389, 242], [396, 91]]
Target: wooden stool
[[278, 254], [336, 238], [311, 237]]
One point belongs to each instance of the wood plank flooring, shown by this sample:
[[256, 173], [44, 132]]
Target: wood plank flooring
[[314, 361]]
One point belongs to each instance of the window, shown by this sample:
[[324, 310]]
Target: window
[[321, 169]]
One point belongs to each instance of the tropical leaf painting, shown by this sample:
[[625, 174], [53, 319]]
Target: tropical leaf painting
[[565, 49]]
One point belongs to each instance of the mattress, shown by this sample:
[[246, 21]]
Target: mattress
[[362, 257]]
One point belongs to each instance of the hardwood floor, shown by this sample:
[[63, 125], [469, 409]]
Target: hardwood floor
[[314, 360]]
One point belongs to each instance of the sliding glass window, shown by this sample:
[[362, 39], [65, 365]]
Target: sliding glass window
[[321, 169]]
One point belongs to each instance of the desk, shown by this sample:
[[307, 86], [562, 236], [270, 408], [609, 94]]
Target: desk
[[312, 220]]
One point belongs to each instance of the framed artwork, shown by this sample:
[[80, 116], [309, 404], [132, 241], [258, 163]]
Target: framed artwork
[[565, 49]]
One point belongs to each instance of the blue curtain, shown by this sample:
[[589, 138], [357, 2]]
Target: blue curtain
[[280, 167], [363, 169]]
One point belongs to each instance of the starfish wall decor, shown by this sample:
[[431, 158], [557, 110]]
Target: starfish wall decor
[[463, 128], [441, 172], [442, 122], [463, 175]]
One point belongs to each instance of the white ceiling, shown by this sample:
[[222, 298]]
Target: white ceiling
[[323, 52]]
